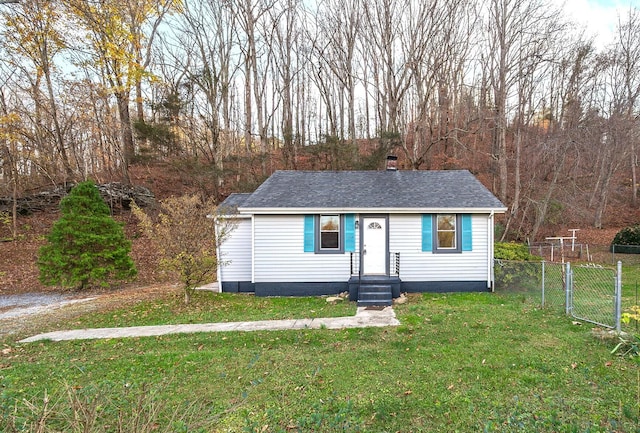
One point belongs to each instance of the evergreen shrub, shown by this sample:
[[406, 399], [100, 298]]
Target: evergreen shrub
[[86, 246], [627, 240], [514, 274], [512, 251]]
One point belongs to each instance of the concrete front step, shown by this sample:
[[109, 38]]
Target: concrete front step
[[374, 303], [374, 295], [357, 284], [375, 288]]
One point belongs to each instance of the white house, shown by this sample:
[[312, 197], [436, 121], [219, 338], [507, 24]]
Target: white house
[[372, 233]]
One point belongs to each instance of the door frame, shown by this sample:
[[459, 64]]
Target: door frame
[[361, 218]]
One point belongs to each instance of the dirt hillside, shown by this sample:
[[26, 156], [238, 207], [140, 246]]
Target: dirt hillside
[[19, 273]]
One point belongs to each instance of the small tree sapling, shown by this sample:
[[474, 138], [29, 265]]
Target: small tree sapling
[[186, 236]]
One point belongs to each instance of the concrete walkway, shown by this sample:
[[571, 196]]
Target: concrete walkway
[[364, 318]]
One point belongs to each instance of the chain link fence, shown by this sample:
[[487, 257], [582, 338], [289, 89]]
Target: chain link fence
[[593, 295], [539, 282], [627, 254], [579, 252], [589, 293]]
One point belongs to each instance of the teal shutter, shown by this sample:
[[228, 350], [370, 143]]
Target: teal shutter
[[427, 235], [467, 240], [349, 233], [309, 233]]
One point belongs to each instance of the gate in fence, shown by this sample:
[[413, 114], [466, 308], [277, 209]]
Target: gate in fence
[[590, 293]]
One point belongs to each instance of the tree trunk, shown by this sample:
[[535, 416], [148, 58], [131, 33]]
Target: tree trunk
[[14, 209], [515, 204], [247, 107], [139, 101], [187, 296], [500, 146], [544, 206], [126, 132], [56, 123], [603, 195], [634, 176]]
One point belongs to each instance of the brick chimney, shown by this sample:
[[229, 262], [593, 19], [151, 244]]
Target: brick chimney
[[392, 163]]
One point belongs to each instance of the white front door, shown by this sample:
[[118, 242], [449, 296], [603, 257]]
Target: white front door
[[374, 246]]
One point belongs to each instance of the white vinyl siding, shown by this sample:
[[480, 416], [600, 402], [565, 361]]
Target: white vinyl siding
[[236, 253], [279, 253], [416, 265]]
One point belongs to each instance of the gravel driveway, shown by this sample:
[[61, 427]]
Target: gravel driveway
[[28, 313], [26, 304]]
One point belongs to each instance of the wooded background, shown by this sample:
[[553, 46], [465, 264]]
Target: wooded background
[[513, 90]]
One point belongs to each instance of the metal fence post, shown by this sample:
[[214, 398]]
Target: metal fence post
[[568, 288], [543, 284], [618, 302], [613, 253]]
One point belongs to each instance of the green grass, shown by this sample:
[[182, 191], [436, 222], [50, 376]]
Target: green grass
[[631, 282], [459, 362], [216, 307], [593, 288]]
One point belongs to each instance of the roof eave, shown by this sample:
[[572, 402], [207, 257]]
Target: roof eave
[[313, 210]]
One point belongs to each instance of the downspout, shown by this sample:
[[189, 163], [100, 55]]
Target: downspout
[[490, 250], [253, 250], [218, 267], [360, 230], [359, 274]]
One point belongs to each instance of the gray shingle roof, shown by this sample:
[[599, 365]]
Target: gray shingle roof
[[231, 203], [372, 189]]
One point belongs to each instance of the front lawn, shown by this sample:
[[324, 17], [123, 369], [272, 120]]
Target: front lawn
[[459, 362], [206, 307]]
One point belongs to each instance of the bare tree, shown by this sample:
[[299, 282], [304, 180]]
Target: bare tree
[[514, 27], [536, 59], [248, 15], [121, 51], [383, 22], [9, 157], [436, 46], [628, 59], [548, 135], [205, 57], [338, 29], [285, 32], [33, 35], [614, 129]]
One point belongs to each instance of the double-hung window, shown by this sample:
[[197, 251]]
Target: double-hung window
[[446, 232], [329, 233]]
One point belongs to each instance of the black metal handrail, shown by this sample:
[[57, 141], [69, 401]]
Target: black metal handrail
[[355, 263], [396, 257], [394, 263]]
